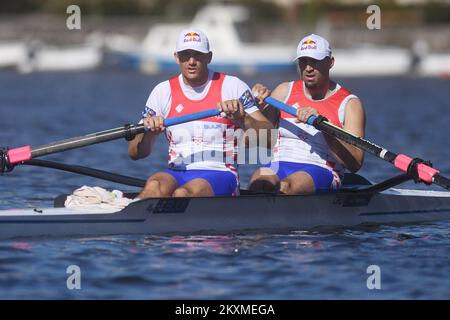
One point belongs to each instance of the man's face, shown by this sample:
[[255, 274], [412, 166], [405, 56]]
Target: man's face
[[315, 72], [193, 64]]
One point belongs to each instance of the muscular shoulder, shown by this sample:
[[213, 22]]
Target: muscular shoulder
[[159, 99], [354, 104], [161, 89]]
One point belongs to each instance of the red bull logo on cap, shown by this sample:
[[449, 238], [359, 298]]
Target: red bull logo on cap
[[309, 44], [192, 36], [309, 41]]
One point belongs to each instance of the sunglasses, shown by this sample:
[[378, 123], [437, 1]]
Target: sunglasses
[[187, 54]]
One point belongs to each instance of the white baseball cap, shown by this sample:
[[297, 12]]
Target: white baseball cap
[[313, 46], [193, 39]]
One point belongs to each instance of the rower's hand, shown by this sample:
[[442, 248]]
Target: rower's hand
[[232, 109], [260, 92], [154, 124], [303, 114]]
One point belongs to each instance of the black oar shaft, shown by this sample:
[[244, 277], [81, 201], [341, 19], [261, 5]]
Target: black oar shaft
[[95, 173], [90, 139], [442, 181], [359, 142]]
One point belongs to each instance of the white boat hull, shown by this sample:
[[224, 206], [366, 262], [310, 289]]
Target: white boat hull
[[371, 61], [222, 215], [63, 59], [12, 54], [435, 65]]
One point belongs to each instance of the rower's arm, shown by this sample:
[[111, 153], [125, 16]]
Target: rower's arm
[[271, 113], [141, 146], [350, 156], [256, 120]]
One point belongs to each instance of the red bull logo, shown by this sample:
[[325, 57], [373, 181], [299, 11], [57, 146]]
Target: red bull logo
[[308, 41], [192, 36], [309, 44]]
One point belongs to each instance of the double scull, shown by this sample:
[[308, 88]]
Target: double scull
[[358, 202]]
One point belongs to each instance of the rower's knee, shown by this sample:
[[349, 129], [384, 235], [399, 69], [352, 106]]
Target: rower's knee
[[288, 187], [152, 189], [180, 193], [153, 186]]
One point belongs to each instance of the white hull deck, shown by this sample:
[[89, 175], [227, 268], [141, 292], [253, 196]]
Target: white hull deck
[[224, 215]]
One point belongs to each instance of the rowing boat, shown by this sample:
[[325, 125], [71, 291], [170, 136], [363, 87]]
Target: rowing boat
[[354, 205], [358, 202]]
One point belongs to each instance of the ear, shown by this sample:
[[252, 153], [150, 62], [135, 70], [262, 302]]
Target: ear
[[177, 60], [331, 62], [209, 57]]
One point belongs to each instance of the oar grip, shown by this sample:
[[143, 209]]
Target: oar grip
[[281, 106], [292, 111], [311, 120], [191, 117]]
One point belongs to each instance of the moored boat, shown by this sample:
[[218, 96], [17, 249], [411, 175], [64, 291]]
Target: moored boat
[[155, 54]]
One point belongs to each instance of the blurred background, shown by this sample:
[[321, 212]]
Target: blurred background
[[247, 36]]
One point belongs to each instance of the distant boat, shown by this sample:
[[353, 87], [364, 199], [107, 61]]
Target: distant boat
[[12, 54], [46, 58], [435, 64], [229, 52], [371, 61]]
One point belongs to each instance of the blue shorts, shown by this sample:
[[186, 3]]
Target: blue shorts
[[223, 183], [322, 177]]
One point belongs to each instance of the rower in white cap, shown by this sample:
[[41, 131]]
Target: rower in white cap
[[201, 153], [304, 159]]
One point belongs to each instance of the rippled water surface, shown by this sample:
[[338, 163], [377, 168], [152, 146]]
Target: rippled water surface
[[405, 115]]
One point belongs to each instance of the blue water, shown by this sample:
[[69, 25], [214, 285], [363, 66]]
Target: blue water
[[405, 115]]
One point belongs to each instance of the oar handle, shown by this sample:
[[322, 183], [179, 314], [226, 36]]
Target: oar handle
[[288, 109], [191, 117]]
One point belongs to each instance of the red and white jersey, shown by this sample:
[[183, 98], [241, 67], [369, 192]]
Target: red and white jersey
[[207, 144], [302, 143]]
